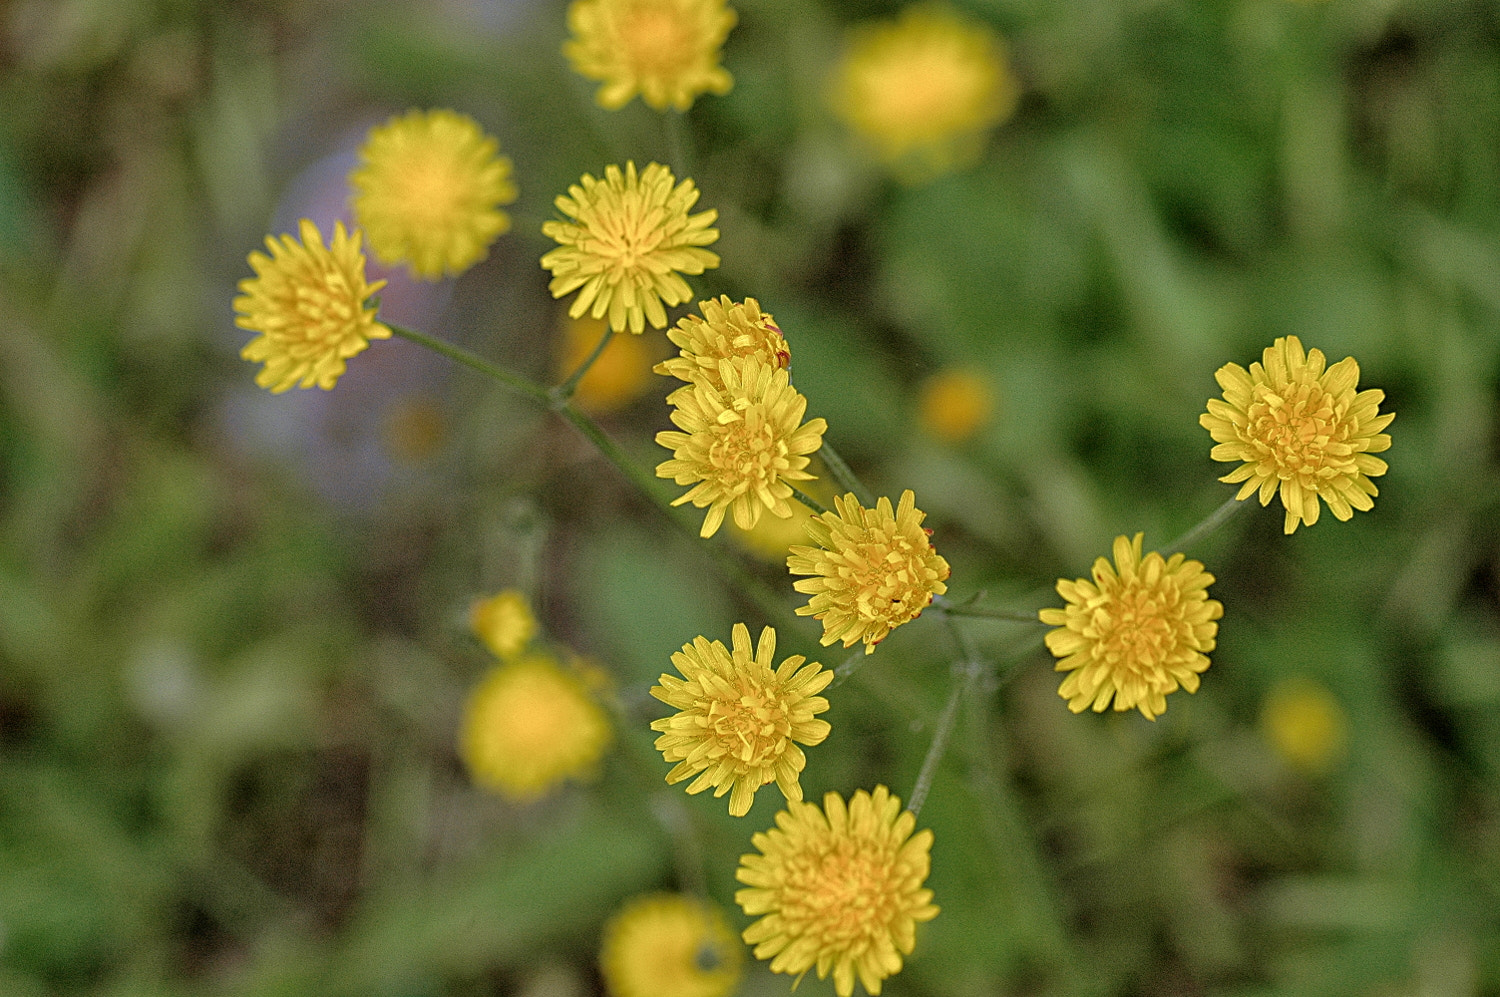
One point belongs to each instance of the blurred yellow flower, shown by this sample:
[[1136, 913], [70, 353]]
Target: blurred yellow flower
[[838, 889], [1135, 633], [1300, 430], [1305, 724], [955, 404], [428, 192], [308, 304], [924, 89], [741, 445], [670, 945], [620, 375], [504, 622], [772, 538], [665, 50], [727, 330], [529, 725], [629, 240], [873, 569], [738, 719]]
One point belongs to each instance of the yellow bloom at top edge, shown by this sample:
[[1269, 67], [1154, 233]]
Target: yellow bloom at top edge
[[838, 889], [872, 569], [428, 192], [307, 301], [1139, 630], [625, 244], [727, 330], [1301, 431], [504, 622], [923, 90], [665, 50], [742, 446], [740, 717], [529, 725], [670, 945]]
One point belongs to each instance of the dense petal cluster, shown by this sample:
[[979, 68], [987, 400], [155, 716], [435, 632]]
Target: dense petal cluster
[[727, 330], [307, 301], [872, 569], [739, 721], [923, 90], [428, 192], [665, 50], [504, 622], [741, 445], [838, 889], [628, 240], [670, 945], [1301, 431], [1135, 633], [529, 725]]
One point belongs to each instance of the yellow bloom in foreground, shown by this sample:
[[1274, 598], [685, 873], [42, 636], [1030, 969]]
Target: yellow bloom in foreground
[[728, 330], [620, 375], [840, 889], [738, 718], [1305, 724], [628, 243], [872, 569], [1135, 633], [923, 90], [428, 192], [955, 404], [504, 622], [529, 725], [741, 445], [1300, 430], [670, 945], [308, 304], [665, 50]]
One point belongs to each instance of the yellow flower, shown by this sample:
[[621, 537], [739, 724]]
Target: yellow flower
[[628, 243], [1301, 430], [308, 304], [428, 192], [529, 725], [1305, 724], [1135, 633], [620, 375], [504, 622], [772, 538], [727, 330], [665, 50], [742, 445], [924, 89], [873, 569], [839, 889], [955, 404], [670, 945], [738, 718]]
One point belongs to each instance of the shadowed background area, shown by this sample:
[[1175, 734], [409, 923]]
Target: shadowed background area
[[234, 644]]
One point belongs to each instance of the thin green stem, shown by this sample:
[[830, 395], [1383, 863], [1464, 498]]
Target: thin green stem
[[679, 146], [808, 501], [846, 478], [965, 674], [565, 390], [847, 667], [458, 354], [950, 608], [1211, 522]]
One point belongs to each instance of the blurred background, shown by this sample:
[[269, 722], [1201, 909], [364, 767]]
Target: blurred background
[[233, 626]]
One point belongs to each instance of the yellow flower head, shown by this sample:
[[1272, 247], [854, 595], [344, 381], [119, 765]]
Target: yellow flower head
[[839, 889], [308, 304], [955, 404], [924, 89], [1305, 724], [1299, 429], [620, 375], [872, 569], [428, 192], [738, 718], [529, 725], [628, 243], [670, 945], [726, 331], [665, 50], [742, 444], [504, 622], [1135, 633]]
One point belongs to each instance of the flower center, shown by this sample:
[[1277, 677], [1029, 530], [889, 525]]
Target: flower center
[[748, 455], [1293, 430], [1140, 634], [654, 39], [324, 303], [842, 894], [753, 727], [927, 92], [888, 580], [428, 188]]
